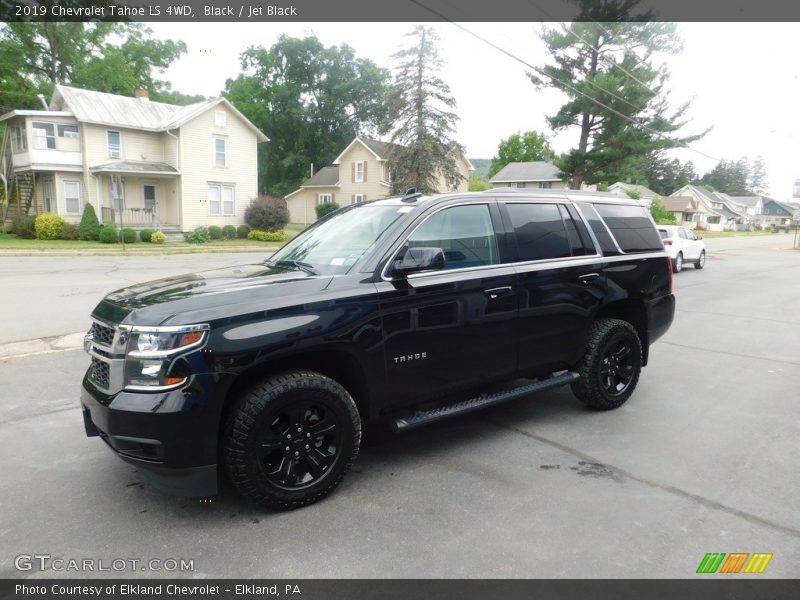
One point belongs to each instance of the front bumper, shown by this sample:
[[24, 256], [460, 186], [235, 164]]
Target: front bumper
[[170, 436]]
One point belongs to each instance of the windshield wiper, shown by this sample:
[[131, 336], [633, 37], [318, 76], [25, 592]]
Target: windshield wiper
[[297, 264]]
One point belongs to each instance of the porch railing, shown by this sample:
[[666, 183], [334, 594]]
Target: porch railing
[[130, 216]]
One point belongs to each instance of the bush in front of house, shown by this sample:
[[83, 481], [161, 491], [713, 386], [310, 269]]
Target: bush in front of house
[[158, 238], [48, 226], [129, 235], [229, 232], [89, 228], [242, 231], [325, 208], [215, 232], [266, 236], [24, 226], [198, 236], [70, 232], [108, 234], [146, 234], [267, 213]]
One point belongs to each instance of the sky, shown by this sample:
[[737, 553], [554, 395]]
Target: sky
[[742, 79]]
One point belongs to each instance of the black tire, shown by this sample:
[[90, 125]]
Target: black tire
[[610, 368], [677, 264], [701, 262], [304, 411]]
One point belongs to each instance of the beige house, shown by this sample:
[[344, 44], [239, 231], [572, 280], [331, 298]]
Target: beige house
[[358, 174], [139, 163], [539, 174]]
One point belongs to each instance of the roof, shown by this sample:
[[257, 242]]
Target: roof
[[378, 148], [679, 203], [789, 210], [644, 192], [707, 198], [134, 113], [527, 171], [749, 201], [35, 113], [326, 176], [136, 167]]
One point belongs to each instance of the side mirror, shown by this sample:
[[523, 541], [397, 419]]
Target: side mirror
[[419, 259], [699, 237]]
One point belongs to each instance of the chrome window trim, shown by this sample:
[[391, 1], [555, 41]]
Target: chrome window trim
[[603, 221]]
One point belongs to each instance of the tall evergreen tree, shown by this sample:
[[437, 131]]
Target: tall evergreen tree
[[603, 63], [421, 117]]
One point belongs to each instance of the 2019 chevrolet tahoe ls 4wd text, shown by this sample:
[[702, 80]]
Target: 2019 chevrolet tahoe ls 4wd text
[[403, 310]]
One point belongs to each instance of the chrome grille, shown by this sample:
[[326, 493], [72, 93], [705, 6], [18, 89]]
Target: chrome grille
[[99, 373], [102, 335]]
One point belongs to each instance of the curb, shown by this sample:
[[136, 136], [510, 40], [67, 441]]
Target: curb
[[47, 345], [239, 250]]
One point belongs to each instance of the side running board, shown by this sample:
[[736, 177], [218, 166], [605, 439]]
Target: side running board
[[425, 417]]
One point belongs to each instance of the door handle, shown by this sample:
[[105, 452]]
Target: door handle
[[495, 293], [588, 277]]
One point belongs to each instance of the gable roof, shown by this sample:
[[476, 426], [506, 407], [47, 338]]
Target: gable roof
[[645, 193], [514, 172], [679, 203], [748, 201], [379, 149], [326, 176], [785, 207], [125, 112]]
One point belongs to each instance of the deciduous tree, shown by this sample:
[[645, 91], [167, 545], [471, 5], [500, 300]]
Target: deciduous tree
[[521, 147]]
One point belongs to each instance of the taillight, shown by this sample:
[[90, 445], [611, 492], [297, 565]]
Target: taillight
[[668, 242]]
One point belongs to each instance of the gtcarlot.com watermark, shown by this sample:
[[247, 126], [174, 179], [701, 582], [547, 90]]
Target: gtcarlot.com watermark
[[46, 562]]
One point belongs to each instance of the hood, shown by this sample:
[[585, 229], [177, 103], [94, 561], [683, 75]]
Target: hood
[[209, 295]]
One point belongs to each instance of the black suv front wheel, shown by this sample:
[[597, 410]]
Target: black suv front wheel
[[611, 365], [290, 439]]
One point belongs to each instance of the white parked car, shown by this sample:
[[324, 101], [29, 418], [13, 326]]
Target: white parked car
[[683, 246]]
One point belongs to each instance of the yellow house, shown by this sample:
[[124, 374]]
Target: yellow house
[[358, 174], [139, 163]]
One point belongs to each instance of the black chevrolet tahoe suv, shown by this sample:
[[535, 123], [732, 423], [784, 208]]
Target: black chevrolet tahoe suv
[[401, 311]]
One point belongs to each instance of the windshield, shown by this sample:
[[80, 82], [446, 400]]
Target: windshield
[[334, 245]]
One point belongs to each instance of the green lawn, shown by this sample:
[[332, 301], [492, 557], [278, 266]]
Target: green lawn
[[13, 243], [718, 234]]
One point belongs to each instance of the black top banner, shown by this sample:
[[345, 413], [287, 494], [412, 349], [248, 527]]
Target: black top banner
[[189, 11]]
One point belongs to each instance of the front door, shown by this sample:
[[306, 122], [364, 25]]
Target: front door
[[49, 195], [149, 195], [449, 330]]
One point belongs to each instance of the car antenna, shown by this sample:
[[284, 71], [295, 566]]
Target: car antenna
[[411, 195]]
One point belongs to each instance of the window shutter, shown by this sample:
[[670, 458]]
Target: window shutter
[[353, 173], [333, 197], [352, 199], [365, 171], [317, 198]]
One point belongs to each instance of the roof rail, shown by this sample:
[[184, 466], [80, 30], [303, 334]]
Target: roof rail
[[411, 195]]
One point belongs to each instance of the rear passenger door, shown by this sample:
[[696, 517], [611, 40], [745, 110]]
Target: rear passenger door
[[560, 283]]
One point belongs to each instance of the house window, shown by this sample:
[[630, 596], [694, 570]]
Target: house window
[[359, 198], [220, 152], [220, 118], [517, 184], [68, 131], [323, 198], [49, 195], [360, 172], [44, 136], [114, 143], [545, 185], [221, 199], [149, 194], [72, 197], [117, 192], [19, 139]]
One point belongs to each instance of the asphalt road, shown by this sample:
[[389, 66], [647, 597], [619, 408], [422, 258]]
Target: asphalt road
[[703, 458]]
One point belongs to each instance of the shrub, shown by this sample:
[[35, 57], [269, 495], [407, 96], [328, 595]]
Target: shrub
[[129, 235], [660, 213], [229, 232], [215, 232], [69, 232], [158, 238], [267, 236], [267, 213], [48, 226], [198, 236], [24, 226], [89, 228], [325, 208], [145, 234], [242, 231], [108, 234]]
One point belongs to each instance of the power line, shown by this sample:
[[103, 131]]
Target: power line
[[563, 84]]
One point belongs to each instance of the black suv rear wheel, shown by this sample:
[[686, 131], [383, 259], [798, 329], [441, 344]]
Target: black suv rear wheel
[[290, 439], [611, 365]]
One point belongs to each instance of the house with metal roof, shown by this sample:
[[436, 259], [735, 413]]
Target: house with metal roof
[[713, 211], [359, 173], [139, 163], [539, 174]]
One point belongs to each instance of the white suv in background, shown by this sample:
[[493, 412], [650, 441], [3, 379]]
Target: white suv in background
[[683, 246]]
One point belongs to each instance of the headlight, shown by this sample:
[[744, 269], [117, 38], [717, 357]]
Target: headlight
[[150, 360]]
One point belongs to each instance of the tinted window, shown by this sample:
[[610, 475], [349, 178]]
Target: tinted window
[[539, 230], [465, 233], [631, 226], [599, 229], [663, 233], [579, 241]]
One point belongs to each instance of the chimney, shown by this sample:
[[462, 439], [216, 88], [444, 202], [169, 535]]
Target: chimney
[[143, 95]]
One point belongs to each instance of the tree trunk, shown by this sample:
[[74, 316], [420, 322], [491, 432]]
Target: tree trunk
[[579, 175]]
